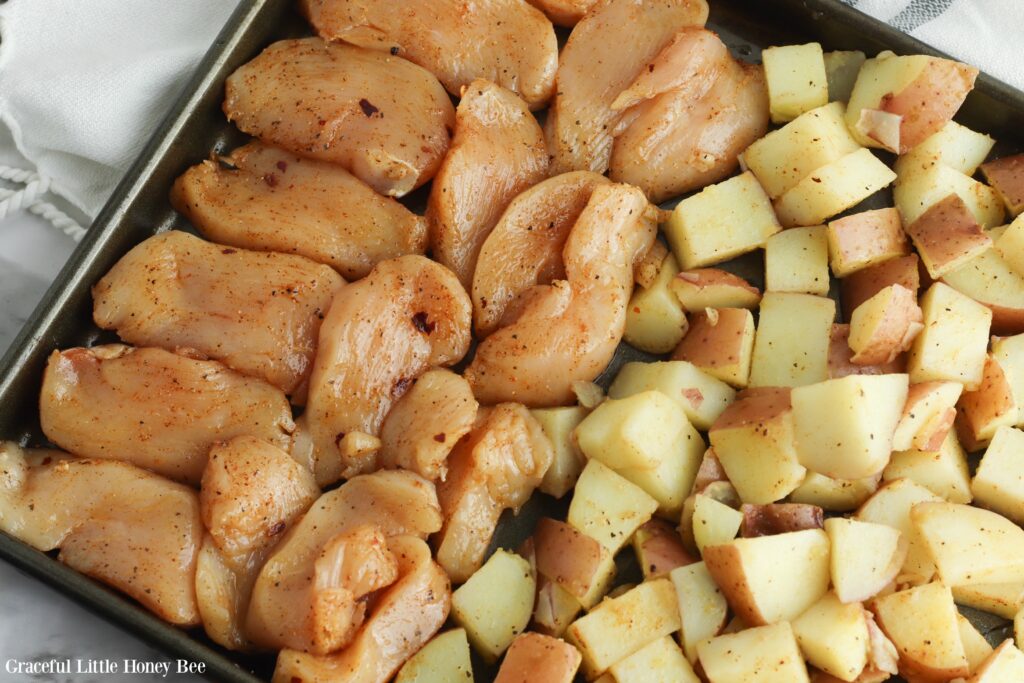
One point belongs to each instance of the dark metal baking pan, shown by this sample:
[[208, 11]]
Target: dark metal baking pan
[[195, 125]]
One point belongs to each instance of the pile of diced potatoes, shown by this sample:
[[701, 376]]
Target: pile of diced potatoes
[[795, 485]]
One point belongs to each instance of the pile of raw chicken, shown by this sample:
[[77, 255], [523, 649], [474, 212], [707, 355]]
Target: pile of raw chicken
[[184, 477]]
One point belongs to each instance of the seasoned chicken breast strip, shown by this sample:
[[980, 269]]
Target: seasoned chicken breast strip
[[257, 312], [112, 521], [507, 42], [153, 408], [306, 596], [691, 135], [495, 467], [403, 618], [525, 247], [383, 118], [568, 330], [251, 493], [603, 56], [267, 199], [498, 151], [408, 315], [426, 423]]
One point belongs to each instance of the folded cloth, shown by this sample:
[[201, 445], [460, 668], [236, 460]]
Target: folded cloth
[[83, 84], [980, 32]]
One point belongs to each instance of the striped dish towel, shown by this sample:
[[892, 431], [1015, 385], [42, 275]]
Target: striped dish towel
[[985, 33]]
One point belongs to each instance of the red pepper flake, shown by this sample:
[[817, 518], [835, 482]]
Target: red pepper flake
[[270, 179], [401, 384], [282, 166], [421, 323], [276, 529], [439, 437], [367, 107], [227, 251]]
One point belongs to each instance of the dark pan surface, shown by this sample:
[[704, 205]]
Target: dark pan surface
[[195, 126]]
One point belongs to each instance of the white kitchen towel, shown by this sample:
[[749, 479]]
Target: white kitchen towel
[[985, 33], [84, 82]]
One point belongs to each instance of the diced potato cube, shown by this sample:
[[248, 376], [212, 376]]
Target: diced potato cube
[[844, 427], [943, 472], [865, 557], [537, 658], [771, 578], [955, 146], [922, 183], [1010, 245], [976, 648], [833, 188], [1006, 663], [1009, 352], [891, 505], [766, 654], [659, 549], [662, 660], [1006, 176], [999, 482], [620, 626], [722, 221], [969, 544], [784, 157], [835, 495], [755, 442], [705, 288], [555, 608], [922, 624], [923, 91], [671, 480], [444, 659], [608, 507], [492, 619], [796, 260], [884, 326], [954, 340], [987, 408], [722, 491], [792, 339], [1002, 599], [558, 425], [989, 280], [655, 321], [865, 239], [702, 606], [834, 636], [702, 397], [570, 558], [714, 523], [841, 68], [634, 431], [860, 286], [721, 343], [947, 236], [927, 416], [796, 80], [840, 358]]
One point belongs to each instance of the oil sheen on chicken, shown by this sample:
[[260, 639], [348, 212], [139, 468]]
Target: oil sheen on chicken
[[507, 42], [267, 199], [404, 617], [408, 315], [495, 467], [498, 151], [307, 596], [257, 312], [111, 520], [383, 118], [525, 247], [568, 331], [251, 494], [604, 55], [156, 409]]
